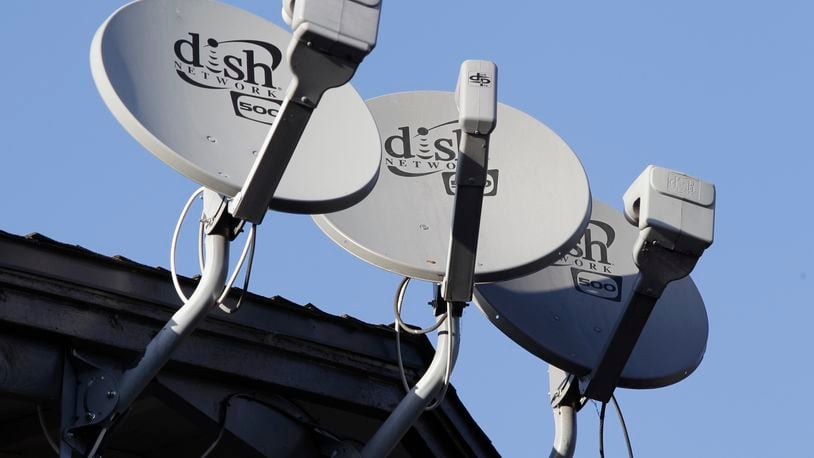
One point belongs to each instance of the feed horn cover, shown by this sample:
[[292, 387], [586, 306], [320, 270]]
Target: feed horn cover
[[536, 202], [199, 84], [564, 314]]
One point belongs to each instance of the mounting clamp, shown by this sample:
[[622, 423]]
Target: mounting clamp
[[93, 396]]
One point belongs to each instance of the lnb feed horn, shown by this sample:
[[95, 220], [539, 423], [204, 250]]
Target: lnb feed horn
[[343, 28], [331, 38], [476, 96], [678, 206]]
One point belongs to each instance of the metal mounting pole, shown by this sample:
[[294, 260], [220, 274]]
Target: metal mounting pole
[[565, 432], [186, 319], [411, 407], [101, 400], [565, 402]]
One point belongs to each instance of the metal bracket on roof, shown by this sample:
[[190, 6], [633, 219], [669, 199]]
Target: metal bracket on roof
[[216, 215], [91, 399], [101, 399]]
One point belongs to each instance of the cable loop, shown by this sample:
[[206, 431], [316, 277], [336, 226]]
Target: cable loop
[[399, 325], [624, 427], [173, 245], [248, 250], [621, 421], [48, 437], [397, 304]]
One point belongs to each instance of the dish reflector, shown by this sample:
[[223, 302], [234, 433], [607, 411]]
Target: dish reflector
[[565, 312], [536, 202], [199, 84]]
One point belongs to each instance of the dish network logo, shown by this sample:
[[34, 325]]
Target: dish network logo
[[590, 265], [416, 152], [244, 67]]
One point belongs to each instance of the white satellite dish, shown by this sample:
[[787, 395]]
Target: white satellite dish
[[619, 309], [199, 84], [522, 202], [260, 119], [565, 312], [536, 202]]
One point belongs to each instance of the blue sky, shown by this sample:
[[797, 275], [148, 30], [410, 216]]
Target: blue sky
[[721, 90]]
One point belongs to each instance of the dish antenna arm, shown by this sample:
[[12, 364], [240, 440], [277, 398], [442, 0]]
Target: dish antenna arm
[[675, 214], [322, 55], [476, 98]]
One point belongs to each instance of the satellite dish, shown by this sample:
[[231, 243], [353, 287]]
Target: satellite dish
[[536, 202], [565, 312], [207, 89], [199, 84]]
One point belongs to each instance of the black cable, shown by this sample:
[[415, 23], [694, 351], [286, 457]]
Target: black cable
[[51, 442], [245, 277], [308, 420], [224, 410], [624, 427], [602, 430]]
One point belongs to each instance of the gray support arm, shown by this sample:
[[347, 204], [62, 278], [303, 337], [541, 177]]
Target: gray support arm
[[675, 214], [565, 428], [470, 181], [183, 322], [331, 37], [476, 96], [565, 402], [430, 384], [101, 400]]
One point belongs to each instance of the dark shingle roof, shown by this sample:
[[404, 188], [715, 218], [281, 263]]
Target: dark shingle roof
[[114, 305]]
